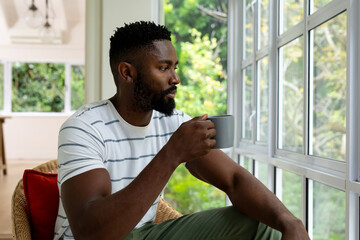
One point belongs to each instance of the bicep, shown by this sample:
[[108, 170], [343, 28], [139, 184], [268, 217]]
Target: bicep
[[77, 192]]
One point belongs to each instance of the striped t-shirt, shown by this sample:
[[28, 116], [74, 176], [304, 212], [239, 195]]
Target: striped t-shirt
[[96, 136]]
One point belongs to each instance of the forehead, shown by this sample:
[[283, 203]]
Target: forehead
[[162, 50]]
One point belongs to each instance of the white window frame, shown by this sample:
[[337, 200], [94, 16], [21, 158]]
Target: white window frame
[[7, 95], [344, 176]]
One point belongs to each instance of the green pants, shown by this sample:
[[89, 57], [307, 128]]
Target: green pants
[[222, 223]]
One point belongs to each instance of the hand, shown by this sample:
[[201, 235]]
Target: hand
[[193, 139]]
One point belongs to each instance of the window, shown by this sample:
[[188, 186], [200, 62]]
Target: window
[[288, 190], [297, 106], [328, 89], [41, 87], [199, 34], [291, 96]]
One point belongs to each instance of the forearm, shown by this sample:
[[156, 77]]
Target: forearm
[[115, 215], [251, 197]]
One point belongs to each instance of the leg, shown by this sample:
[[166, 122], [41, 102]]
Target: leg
[[223, 223]]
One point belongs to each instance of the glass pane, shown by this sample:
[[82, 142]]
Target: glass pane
[[329, 89], [38, 87], [261, 172], [289, 191], [77, 86], [263, 100], [1, 86], [329, 211], [248, 28], [316, 4], [291, 98], [264, 23], [291, 13], [200, 40], [247, 103], [247, 163]]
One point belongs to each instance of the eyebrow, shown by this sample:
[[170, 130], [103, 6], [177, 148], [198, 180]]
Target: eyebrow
[[168, 62]]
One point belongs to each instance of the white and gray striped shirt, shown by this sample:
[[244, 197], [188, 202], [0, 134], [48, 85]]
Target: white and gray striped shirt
[[96, 136]]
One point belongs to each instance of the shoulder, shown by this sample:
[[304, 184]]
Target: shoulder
[[90, 113]]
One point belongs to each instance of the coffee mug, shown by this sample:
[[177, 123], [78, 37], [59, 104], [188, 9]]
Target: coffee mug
[[224, 126]]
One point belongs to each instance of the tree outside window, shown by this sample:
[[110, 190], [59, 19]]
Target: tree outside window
[[199, 34]]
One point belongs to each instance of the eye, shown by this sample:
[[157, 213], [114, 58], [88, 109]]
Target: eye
[[164, 68]]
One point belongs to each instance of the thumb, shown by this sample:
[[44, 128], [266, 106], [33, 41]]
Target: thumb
[[203, 117]]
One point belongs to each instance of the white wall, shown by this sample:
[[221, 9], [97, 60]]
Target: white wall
[[35, 137], [32, 137], [107, 15]]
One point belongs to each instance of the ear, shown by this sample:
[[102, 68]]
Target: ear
[[126, 71]]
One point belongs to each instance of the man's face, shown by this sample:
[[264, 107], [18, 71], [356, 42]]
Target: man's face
[[155, 83]]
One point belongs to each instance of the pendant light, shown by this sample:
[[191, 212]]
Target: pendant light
[[33, 16], [47, 32]]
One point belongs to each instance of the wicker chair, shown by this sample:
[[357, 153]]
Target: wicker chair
[[20, 223]]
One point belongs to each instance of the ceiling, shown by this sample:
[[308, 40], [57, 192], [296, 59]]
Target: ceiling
[[67, 18]]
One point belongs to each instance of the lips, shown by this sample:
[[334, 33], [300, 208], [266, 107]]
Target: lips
[[170, 93]]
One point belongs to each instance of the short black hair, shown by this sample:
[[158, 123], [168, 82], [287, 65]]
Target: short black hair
[[130, 38]]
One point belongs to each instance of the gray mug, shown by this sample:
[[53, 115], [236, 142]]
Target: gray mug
[[224, 125]]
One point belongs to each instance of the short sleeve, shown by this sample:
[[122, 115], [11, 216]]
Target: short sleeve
[[80, 149]]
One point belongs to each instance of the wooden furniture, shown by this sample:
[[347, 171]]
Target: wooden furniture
[[21, 228], [2, 146]]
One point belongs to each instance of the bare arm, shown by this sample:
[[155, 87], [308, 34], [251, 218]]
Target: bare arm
[[247, 193], [95, 213]]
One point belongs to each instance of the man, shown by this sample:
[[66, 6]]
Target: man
[[116, 156]]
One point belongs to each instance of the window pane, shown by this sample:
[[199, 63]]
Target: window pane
[[38, 87], [1, 86], [329, 89], [247, 103], [261, 172], [291, 13], [248, 28], [329, 212], [264, 23], [200, 39], [263, 100], [316, 4], [77, 86], [247, 163], [289, 191], [291, 99]]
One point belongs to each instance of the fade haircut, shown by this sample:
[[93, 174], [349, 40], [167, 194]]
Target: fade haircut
[[128, 40]]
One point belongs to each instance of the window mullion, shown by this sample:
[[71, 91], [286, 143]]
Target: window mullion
[[7, 87], [67, 103], [254, 71], [306, 85], [273, 64]]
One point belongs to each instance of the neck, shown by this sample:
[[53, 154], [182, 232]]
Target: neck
[[135, 117]]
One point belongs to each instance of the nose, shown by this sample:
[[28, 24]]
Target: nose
[[174, 78]]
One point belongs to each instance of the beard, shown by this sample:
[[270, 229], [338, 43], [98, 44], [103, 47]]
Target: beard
[[147, 100]]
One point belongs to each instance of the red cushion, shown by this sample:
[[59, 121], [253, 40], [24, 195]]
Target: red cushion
[[42, 202]]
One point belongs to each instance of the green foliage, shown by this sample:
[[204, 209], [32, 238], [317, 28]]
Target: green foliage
[[38, 87], [200, 42], [188, 195], [329, 212], [77, 86], [205, 91]]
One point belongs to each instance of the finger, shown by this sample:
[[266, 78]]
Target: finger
[[196, 118], [212, 142], [211, 133], [204, 117]]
